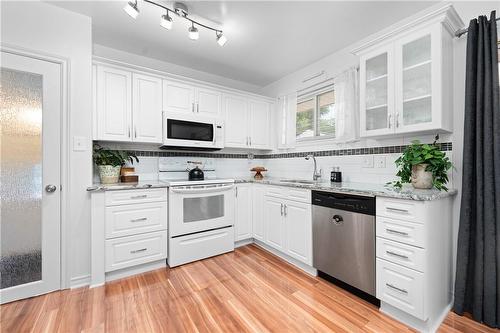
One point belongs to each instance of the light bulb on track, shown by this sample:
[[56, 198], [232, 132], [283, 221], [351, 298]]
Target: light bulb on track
[[131, 9], [166, 21], [221, 39], [193, 33]]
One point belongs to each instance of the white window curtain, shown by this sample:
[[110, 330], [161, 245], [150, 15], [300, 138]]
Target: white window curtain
[[346, 86]]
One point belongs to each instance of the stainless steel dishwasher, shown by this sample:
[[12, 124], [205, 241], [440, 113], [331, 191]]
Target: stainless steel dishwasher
[[344, 238]]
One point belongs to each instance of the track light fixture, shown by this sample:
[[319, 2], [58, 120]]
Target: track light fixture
[[180, 10], [131, 9], [193, 32], [166, 21]]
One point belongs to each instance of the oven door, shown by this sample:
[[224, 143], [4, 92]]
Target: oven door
[[187, 132], [199, 208]]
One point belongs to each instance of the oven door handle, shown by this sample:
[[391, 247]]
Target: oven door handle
[[207, 189]]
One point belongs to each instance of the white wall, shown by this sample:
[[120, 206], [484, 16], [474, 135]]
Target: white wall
[[138, 60], [41, 27]]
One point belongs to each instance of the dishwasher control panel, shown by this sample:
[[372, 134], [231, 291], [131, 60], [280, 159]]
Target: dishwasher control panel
[[349, 202]]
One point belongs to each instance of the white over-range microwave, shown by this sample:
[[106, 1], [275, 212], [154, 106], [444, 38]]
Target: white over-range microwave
[[192, 132]]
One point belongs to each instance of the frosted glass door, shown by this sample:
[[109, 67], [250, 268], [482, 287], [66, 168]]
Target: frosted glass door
[[376, 74], [415, 97], [30, 177]]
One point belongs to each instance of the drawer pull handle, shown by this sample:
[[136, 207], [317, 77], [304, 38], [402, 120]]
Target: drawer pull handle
[[139, 196], [402, 256], [404, 291], [140, 250], [392, 231], [139, 219], [399, 210]]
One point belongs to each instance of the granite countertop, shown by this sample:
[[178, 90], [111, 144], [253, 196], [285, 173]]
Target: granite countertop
[[127, 186], [373, 190], [381, 190]]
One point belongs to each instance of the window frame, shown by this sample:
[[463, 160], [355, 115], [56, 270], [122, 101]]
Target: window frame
[[314, 95]]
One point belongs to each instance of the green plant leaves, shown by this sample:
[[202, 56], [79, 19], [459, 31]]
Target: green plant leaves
[[103, 156], [419, 153]]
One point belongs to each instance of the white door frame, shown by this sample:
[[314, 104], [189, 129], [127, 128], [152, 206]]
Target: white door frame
[[65, 152]]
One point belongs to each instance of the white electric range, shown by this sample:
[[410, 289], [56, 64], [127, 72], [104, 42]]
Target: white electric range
[[200, 213]]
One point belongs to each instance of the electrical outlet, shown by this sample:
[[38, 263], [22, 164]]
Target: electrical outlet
[[380, 162], [368, 161]]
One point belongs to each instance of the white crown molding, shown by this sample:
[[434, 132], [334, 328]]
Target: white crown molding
[[446, 14]]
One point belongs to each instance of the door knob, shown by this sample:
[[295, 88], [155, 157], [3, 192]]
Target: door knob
[[50, 188]]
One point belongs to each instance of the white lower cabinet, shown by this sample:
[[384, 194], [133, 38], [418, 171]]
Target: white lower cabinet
[[274, 223], [288, 223], [258, 193], [243, 212], [413, 247]]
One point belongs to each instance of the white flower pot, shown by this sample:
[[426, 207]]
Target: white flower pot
[[109, 174], [420, 178]]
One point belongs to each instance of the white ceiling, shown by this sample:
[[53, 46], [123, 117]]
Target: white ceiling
[[267, 39]]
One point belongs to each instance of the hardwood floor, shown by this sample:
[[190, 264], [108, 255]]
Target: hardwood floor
[[249, 290]]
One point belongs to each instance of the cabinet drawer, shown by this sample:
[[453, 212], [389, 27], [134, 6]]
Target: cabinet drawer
[[401, 231], [406, 255], [407, 210], [298, 194], [134, 250], [201, 245], [135, 196], [275, 191], [401, 287], [127, 220]]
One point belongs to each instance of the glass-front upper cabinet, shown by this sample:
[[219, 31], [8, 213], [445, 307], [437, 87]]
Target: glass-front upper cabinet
[[406, 82], [376, 92], [418, 75]]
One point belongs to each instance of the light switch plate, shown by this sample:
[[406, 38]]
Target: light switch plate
[[79, 143], [380, 161], [368, 161]]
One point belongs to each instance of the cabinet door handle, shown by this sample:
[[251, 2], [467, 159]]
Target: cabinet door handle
[[397, 119], [392, 231], [128, 132], [139, 219], [250, 140], [135, 132], [192, 107], [399, 210], [247, 140], [402, 256], [140, 250], [389, 121], [236, 191], [285, 210], [198, 107], [281, 209], [142, 196], [404, 291]]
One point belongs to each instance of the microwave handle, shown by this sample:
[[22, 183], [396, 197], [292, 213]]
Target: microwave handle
[[201, 189]]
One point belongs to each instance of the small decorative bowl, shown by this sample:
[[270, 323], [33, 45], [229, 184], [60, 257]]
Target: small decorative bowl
[[258, 172]]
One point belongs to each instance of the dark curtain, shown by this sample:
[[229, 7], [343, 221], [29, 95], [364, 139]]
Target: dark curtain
[[477, 286]]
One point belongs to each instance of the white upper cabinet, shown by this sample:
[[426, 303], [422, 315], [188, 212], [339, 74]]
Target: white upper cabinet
[[236, 122], [259, 124], [406, 77], [186, 98], [247, 122], [208, 102], [178, 97], [114, 104], [147, 117]]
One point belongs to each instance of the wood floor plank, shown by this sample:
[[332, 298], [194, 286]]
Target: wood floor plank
[[248, 290]]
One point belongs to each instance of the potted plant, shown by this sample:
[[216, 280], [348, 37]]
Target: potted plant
[[109, 163], [424, 166]]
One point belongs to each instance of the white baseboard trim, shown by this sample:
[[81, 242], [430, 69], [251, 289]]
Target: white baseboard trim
[[306, 268], [126, 272], [243, 242], [79, 281]]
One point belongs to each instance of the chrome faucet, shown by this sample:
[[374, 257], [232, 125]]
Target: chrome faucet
[[316, 173]]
